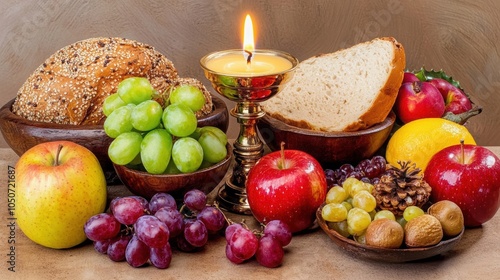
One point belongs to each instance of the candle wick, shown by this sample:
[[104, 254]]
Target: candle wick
[[249, 58]]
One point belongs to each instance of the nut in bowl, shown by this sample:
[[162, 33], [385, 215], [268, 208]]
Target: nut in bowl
[[22, 134], [399, 255], [146, 185], [329, 148]]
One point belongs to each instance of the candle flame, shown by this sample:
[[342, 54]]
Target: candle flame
[[248, 40]]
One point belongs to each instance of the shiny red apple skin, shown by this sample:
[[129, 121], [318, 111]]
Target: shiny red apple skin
[[291, 194], [473, 185], [417, 100], [455, 100]]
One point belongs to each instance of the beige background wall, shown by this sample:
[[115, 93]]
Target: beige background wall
[[458, 36]]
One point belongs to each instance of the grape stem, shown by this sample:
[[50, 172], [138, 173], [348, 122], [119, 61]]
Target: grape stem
[[58, 153], [462, 151]]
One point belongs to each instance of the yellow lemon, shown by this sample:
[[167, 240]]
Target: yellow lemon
[[419, 140]]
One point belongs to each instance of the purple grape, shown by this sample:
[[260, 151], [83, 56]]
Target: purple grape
[[243, 243], [195, 233], [173, 219], [363, 164], [279, 230], [183, 245], [270, 252], [371, 171], [161, 257], [230, 230], [101, 227], [365, 180], [127, 210], [153, 232], [380, 162], [330, 177], [144, 202], [160, 200], [212, 218], [101, 246], [346, 168], [117, 247], [195, 200], [137, 252], [230, 255]]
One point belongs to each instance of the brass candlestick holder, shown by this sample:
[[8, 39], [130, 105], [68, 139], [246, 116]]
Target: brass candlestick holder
[[247, 90]]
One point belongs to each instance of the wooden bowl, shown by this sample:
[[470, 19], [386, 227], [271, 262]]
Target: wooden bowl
[[383, 254], [22, 134], [146, 185], [329, 148]]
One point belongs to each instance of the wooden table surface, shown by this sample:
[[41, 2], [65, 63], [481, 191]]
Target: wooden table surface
[[309, 256]]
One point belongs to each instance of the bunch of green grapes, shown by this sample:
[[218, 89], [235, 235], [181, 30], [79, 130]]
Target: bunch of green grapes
[[160, 140], [349, 209]]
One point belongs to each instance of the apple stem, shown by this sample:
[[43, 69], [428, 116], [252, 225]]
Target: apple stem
[[281, 163], [462, 160], [58, 153]]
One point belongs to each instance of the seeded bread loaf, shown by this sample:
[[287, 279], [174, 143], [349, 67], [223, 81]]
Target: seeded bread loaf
[[347, 90], [70, 86]]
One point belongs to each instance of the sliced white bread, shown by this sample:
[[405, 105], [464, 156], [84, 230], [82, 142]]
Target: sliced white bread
[[347, 90]]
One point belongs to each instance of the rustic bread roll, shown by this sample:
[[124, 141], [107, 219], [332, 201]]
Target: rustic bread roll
[[347, 90], [70, 86]]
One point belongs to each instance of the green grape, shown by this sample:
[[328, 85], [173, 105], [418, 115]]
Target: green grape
[[187, 154], [179, 120], [358, 220], [146, 115], [213, 150], [360, 238], [401, 220], [125, 148], [156, 150], [205, 164], [355, 188], [364, 200], [334, 212], [188, 95], [111, 103], [369, 187], [135, 90], [348, 183], [347, 205], [384, 214], [119, 121], [336, 194], [171, 168], [136, 161], [217, 131], [196, 134], [412, 212], [340, 227]]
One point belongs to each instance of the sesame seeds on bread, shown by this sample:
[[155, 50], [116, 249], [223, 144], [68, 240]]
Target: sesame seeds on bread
[[348, 90], [71, 85]]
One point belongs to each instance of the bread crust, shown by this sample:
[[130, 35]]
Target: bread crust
[[382, 104], [71, 85]]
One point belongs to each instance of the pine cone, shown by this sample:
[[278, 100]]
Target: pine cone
[[401, 187]]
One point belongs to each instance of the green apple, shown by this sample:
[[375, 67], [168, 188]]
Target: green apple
[[59, 186]]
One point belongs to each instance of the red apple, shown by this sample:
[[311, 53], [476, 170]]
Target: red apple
[[417, 100], [468, 175], [286, 185], [409, 77], [455, 100], [59, 186]]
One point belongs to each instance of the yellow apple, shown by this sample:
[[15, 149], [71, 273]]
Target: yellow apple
[[59, 186]]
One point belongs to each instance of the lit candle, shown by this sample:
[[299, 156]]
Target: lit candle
[[248, 62]]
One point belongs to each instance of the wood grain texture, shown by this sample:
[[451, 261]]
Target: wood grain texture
[[460, 37]]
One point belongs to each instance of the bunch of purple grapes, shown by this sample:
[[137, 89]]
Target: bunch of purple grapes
[[141, 232], [367, 170], [267, 246]]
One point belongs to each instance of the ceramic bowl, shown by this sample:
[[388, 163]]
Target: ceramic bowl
[[329, 148], [400, 255], [146, 185], [22, 134]]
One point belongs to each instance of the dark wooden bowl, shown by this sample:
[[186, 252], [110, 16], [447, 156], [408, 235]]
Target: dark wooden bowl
[[329, 148], [146, 185], [22, 134], [383, 254]]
